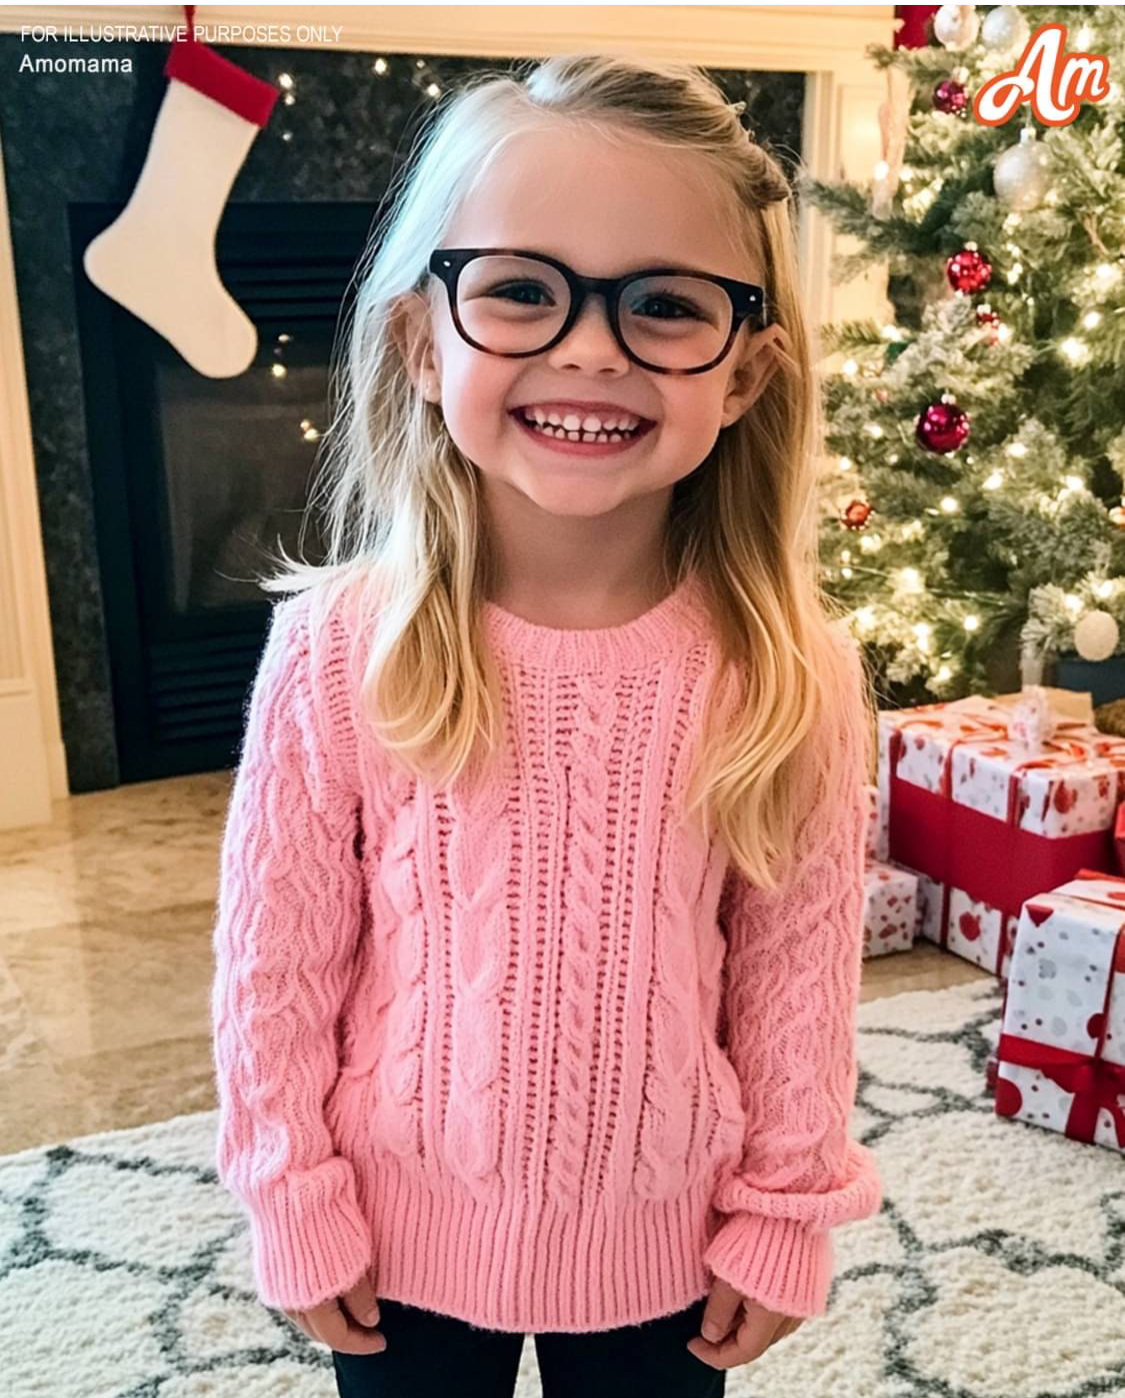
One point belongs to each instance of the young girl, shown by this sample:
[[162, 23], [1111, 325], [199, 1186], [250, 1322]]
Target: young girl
[[539, 929]]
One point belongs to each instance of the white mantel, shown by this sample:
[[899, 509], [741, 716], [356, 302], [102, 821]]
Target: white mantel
[[840, 139]]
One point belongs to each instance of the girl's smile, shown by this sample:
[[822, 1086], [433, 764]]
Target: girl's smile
[[569, 437]]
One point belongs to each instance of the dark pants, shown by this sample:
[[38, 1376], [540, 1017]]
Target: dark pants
[[431, 1355]]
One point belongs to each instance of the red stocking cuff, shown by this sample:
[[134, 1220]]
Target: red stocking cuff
[[226, 83]]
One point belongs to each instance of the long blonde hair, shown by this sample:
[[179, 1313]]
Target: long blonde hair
[[404, 528]]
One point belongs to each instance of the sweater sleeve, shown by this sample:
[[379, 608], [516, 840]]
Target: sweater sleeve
[[790, 995], [289, 909]]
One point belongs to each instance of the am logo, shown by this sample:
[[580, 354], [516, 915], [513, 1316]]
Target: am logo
[[1054, 82]]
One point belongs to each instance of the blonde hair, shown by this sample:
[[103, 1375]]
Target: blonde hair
[[404, 528]]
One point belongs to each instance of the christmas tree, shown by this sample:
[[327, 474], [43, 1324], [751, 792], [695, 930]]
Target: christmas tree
[[973, 508]]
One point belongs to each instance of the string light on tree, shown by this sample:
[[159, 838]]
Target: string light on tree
[[1075, 349]]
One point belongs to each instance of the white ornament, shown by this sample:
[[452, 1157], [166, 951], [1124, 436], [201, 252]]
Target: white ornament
[[956, 26], [1021, 175], [1004, 28], [1096, 636]]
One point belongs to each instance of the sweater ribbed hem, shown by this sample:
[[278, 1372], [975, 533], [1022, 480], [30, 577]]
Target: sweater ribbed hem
[[519, 1264], [779, 1262]]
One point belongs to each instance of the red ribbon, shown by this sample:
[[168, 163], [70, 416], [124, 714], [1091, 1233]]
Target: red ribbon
[[1094, 1082], [993, 861]]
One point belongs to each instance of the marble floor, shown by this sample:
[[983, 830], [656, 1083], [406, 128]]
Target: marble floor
[[105, 961]]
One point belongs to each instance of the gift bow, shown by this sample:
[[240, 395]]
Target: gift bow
[[984, 720], [1094, 1082]]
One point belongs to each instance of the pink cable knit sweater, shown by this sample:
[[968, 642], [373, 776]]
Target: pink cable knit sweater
[[532, 1056]]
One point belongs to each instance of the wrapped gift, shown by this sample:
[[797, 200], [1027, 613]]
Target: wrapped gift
[[989, 807], [1061, 1052], [890, 909], [871, 849]]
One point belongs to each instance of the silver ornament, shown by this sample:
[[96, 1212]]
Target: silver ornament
[[956, 26], [1004, 28], [1021, 175]]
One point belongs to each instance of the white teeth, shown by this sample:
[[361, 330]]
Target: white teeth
[[591, 423], [562, 433]]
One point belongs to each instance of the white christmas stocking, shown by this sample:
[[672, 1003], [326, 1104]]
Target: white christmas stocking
[[157, 259]]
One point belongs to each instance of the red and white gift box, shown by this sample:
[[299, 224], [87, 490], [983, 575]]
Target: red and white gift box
[[985, 823], [1061, 1051], [890, 909]]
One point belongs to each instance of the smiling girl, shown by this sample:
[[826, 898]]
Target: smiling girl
[[539, 930]]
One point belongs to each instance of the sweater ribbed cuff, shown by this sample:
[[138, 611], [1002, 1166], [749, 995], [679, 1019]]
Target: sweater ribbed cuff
[[310, 1241], [781, 1263]]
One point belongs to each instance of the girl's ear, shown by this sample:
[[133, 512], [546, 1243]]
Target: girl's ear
[[412, 332], [765, 351]]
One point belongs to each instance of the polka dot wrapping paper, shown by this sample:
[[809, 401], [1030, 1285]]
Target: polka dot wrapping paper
[[890, 909], [1061, 1051]]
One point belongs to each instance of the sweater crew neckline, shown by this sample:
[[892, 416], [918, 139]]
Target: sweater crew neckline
[[676, 619]]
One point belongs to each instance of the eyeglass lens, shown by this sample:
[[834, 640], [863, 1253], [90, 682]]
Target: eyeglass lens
[[518, 304]]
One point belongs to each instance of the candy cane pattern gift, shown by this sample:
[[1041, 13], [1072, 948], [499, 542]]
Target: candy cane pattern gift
[[1061, 1052], [987, 822]]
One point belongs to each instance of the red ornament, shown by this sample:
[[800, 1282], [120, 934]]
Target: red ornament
[[968, 271], [986, 316], [856, 514], [942, 428], [950, 97]]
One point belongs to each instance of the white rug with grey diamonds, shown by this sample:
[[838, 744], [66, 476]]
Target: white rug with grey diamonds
[[996, 1268]]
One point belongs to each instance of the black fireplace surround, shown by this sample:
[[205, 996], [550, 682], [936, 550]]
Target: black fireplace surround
[[161, 490]]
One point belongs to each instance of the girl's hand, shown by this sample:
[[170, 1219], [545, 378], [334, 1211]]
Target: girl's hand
[[757, 1328], [346, 1323]]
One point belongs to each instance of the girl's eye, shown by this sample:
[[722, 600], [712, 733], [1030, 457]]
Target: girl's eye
[[519, 292], [685, 307]]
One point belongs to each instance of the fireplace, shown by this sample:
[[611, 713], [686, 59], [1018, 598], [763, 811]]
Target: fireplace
[[195, 478]]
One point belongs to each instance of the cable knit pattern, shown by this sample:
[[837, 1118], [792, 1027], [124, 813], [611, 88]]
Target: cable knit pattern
[[791, 1039], [523, 1047], [479, 860], [588, 788]]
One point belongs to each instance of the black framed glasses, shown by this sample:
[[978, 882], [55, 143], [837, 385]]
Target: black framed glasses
[[516, 303]]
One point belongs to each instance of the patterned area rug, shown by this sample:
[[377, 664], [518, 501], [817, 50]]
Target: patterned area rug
[[996, 1268]]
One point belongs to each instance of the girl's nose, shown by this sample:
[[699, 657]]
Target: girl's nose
[[590, 342]]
